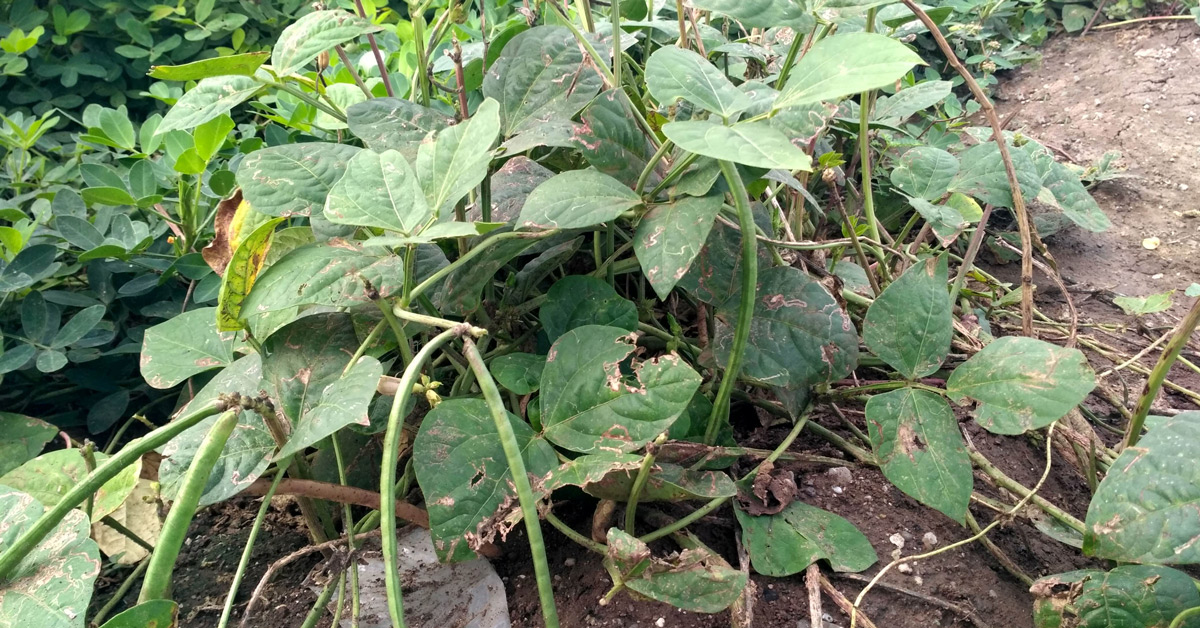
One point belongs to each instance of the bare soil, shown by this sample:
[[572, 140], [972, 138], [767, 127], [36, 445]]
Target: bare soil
[[1131, 90]]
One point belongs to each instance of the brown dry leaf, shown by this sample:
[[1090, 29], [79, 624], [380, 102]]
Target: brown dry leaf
[[218, 253], [772, 491]]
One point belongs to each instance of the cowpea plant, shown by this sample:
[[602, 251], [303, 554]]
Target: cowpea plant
[[556, 258]]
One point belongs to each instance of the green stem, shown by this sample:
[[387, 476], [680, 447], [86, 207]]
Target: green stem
[[397, 330], [248, 550], [387, 475], [366, 344], [24, 544], [348, 527], [520, 478], [422, 78], [575, 536], [318, 609], [639, 482], [306, 98], [615, 16], [162, 562], [864, 158], [119, 594], [460, 262], [674, 173], [655, 159], [434, 321], [1182, 618], [790, 59], [1159, 374], [745, 317]]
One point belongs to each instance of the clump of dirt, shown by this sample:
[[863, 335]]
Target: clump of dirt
[[1131, 90]]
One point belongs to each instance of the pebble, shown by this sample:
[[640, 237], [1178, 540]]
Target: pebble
[[904, 568], [930, 540], [841, 474], [660, 622], [570, 562], [897, 540], [837, 490]]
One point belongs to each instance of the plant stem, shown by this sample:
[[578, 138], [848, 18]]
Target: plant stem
[[341, 53], [128, 455], [1010, 171], [972, 250], [1152, 18], [318, 609], [520, 478], [348, 527], [566, 530], [1009, 484], [387, 474], [248, 551], [741, 333], [308, 99], [434, 321], [157, 584], [383, 73], [458, 263], [1182, 618], [1159, 374], [614, 14], [119, 594], [639, 482]]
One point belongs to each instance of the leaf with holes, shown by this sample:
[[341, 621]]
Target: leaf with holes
[[394, 124], [694, 580], [670, 236], [578, 300], [334, 274], [674, 73], [457, 161], [294, 179], [210, 98], [315, 33], [52, 584], [909, 325], [240, 275], [588, 404], [799, 337], [610, 141], [539, 77], [246, 453], [1022, 383], [749, 143], [49, 476], [925, 172], [846, 64], [174, 350], [464, 475], [788, 542], [520, 373], [915, 435], [1129, 596], [1145, 509], [22, 439], [378, 190], [577, 199]]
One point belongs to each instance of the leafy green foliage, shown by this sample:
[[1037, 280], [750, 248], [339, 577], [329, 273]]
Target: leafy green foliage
[[786, 543], [908, 326], [52, 474], [696, 580], [579, 300], [1130, 595]]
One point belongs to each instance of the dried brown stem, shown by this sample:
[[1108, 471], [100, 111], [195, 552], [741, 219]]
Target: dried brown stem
[[341, 494], [812, 581]]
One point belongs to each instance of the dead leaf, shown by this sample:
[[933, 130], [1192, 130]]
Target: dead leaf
[[218, 252]]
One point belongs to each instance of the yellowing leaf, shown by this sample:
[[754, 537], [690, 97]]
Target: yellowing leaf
[[240, 274]]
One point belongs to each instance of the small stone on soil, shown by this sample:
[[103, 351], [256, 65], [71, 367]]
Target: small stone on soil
[[897, 540], [930, 540], [904, 568], [841, 475], [570, 562]]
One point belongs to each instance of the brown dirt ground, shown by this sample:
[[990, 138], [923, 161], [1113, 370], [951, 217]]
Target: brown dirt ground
[[1131, 90]]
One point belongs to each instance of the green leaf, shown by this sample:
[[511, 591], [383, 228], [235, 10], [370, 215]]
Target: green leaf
[[1069, 194], [589, 405], [540, 76], [787, 543], [22, 439], [174, 350], [240, 275], [577, 199], [463, 472], [666, 483], [674, 73], [946, 222], [1193, 290], [315, 33], [394, 124], [1137, 306], [750, 143], [293, 179], [457, 161], [762, 13], [343, 402], [107, 196], [670, 236], [925, 172], [49, 476], [981, 174], [1129, 596], [800, 336], [1022, 383], [609, 139], [51, 585], [1144, 510], [116, 125], [715, 274], [520, 373], [232, 65], [335, 274], [846, 64], [588, 469], [246, 453], [915, 435], [378, 190], [211, 135], [78, 327], [908, 101], [304, 357], [578, 300], [210, 98], [695, 580], [462, 290], [909, 325], [151, 614]]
